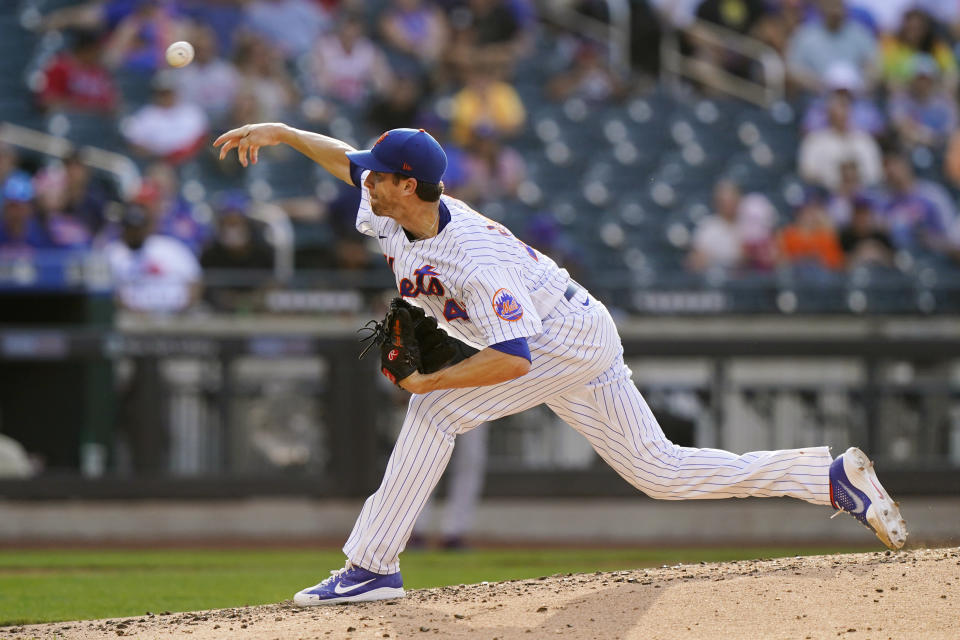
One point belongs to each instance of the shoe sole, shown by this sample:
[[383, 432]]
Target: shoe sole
[[883, 514], [383, 593]]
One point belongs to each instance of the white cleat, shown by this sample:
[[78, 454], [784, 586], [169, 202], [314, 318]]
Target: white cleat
[[854, 488]]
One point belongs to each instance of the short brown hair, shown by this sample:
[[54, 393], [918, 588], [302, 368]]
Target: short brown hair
[[426, 191]]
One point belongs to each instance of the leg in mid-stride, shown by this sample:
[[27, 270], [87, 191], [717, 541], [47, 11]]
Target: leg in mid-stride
[[613, 416]]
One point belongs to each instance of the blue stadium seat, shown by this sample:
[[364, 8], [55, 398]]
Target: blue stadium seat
[[91, 129]]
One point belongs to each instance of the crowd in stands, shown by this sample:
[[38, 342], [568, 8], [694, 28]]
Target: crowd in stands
[[876, 82], [879, 81]]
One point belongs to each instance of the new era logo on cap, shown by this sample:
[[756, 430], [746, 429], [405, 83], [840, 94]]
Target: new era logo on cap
[[412, 152]]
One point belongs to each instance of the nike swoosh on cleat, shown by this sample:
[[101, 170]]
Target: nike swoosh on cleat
[[340, 591], [853, 496]]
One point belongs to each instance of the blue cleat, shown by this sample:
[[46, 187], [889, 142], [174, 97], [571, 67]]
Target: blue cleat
[[854, 488], [351, 584]]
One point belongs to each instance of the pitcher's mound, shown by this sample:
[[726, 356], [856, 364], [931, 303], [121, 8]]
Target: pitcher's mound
[[912, 594]]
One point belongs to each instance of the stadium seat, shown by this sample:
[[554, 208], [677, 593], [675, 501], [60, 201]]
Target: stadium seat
[[87, 129]]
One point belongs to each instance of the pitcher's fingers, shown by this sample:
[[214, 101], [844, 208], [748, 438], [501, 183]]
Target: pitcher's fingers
[[232, 134], [230, 144], [242, 152], [254, 153]]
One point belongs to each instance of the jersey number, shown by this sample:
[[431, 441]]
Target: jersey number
[[452, 311]]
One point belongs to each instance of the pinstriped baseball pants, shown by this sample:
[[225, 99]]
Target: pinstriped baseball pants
[[579, 373]]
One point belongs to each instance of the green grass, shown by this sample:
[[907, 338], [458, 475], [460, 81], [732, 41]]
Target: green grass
[[54, 585]]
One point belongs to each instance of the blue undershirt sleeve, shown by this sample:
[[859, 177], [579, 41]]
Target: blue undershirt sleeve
[[355, 173], [515, 347]]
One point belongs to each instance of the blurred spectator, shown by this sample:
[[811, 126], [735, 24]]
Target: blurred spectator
[[923, 113], [917, 35], [75, 80], [416, 30], [398, 106], [756, 221], [140, 39], [810, 243], [485, 102], [881, 17], [225, 17], [290, 26], [951, 159], [63, 229], [493, 170], [488, 31], [863, 240], [678, 14], [909, 209], [347, 66], [267, 91], [739, 16], [152, 273], [9, 160], [86, 197], [168, 127], [816, 45], [783, 19], [209, 81], [239, 246], [170, 213], [717, 243], [21, 230], [104, 14], [865, 115], [946, 13], [822, 152], [590, 77], [841, 201]]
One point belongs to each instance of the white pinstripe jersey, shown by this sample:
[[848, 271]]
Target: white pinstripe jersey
[[475, 277]]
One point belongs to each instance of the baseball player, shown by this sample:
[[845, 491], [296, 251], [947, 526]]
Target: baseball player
[[541, 339]]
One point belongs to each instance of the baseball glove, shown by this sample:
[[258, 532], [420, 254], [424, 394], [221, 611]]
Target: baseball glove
[[410, 340]]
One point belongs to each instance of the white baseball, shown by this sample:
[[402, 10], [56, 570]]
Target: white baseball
[[179, 54]]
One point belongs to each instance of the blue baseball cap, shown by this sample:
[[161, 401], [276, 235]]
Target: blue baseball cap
[[412, 152], [18, 188]]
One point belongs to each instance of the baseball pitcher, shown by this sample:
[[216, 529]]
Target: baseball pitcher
[[534, 337]]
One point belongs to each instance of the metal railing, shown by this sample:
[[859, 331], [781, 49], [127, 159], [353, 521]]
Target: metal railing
[[121, 167], [128, 179], [616, 31], [676, 64]]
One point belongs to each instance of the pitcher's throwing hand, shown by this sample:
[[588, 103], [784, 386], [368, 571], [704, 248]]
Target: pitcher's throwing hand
[[248, 139]]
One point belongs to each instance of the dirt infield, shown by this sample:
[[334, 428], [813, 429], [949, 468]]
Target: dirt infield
[[913, 594]]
